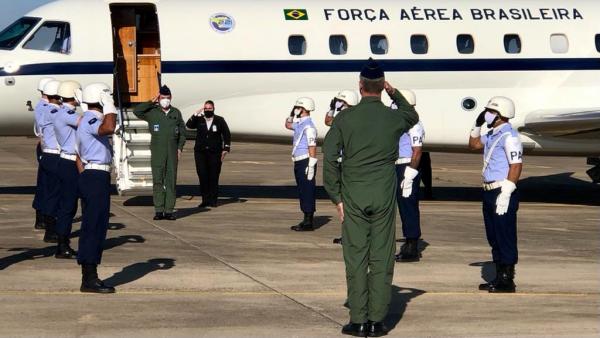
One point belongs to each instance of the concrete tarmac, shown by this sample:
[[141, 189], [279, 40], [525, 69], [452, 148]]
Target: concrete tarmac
[[238, 271]]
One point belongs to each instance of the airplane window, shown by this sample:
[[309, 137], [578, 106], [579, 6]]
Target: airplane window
[[13, 34], [52, 36], [419, 44], [465, 44], [297, 45], [598, 42], [512, 44], [559, 43], [379, 44], [338, 45]]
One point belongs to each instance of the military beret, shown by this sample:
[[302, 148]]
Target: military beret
[[164, 90], [372, 70]]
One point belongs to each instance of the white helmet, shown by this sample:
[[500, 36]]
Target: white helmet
[[306, 103], [43, 83], [93, 93], [51, 88], [503, 105], [67, 89], [410, 96], [348, 96]]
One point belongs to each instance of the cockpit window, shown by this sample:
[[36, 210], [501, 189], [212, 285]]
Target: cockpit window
[[52, 36], [13, 34]]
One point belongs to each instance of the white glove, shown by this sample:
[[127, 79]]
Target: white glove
[[108, 105], [475, 132], [406, 185], [310, 170], [503, 199]]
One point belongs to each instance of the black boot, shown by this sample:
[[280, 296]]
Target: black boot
[[486, 286], [64, 250], [50, 236], [356, 330], [409, 252], [376, 329], [505, 282], [39, 221], [306, 224], [90, 281], [159, 216], [169, 216]]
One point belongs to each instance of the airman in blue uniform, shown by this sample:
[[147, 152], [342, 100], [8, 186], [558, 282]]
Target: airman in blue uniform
[[38, 199], [49, 161], [65, 128], [304, 156], [409, 157], [502, 166], [95, 152]]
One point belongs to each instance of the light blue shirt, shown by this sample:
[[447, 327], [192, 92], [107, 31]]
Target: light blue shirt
[[413, 138], [92, 147], [65, 127], [47, 127], [507, 151], [40, 107], [305, 135]]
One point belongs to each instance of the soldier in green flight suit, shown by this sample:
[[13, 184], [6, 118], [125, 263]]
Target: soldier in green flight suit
[[168, 137], [363, 188]]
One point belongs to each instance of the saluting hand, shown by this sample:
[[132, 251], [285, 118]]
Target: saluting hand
[[199, 112], [389, 88]]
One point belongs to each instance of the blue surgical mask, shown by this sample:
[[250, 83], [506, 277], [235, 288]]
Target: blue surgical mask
[[490, 118]]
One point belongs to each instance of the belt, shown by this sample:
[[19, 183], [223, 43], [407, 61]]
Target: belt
[[52, 151], [403, 160], [300, 158], [68, 157], [491, 186], [94, 166]]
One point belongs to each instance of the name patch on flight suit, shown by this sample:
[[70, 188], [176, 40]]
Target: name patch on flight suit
[[155, 127]]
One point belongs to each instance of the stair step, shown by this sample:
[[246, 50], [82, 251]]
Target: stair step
[[139, 158]]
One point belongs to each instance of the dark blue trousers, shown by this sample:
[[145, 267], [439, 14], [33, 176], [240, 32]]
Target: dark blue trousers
[[39, 188], [409, 207], [306, 189], [51, 190], [94, 187], [501, 231], [67, 203]]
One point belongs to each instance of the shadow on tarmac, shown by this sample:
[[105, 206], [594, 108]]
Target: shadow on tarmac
[[400, 299], [136, 271], [488, 270]]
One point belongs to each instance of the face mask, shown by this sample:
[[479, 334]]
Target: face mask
[[298, 112], [209, 113], [339, 105], [165, 103], [490, 118]]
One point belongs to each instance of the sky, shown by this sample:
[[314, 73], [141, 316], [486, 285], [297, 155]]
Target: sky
[[14, 9]]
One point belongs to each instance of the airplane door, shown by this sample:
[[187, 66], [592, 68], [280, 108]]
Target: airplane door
[[125, 47], [136, 51]]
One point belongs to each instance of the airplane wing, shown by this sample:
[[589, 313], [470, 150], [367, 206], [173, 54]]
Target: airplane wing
[[570, 123]]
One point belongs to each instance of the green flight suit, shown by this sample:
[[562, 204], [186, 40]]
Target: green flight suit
[[168, 136], [365, 181]]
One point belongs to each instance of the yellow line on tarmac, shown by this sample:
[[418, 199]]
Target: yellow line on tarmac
[[272, 293]]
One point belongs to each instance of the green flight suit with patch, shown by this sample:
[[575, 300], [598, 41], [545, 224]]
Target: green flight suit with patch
[[168, 136], [365, 181]]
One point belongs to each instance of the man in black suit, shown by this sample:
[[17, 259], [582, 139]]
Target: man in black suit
[[213, 143]]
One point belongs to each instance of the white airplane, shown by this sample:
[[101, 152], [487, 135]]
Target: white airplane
[[254, 58]]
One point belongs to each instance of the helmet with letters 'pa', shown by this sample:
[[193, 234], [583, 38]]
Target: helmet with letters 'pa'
[[410, 96], [43, 83], [503, 105], [67, 89], [306, 103], [348, 96], [92, 93], [51, 88]]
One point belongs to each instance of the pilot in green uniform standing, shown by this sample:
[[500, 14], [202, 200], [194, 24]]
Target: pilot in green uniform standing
[[363, 188], [168, 137]]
